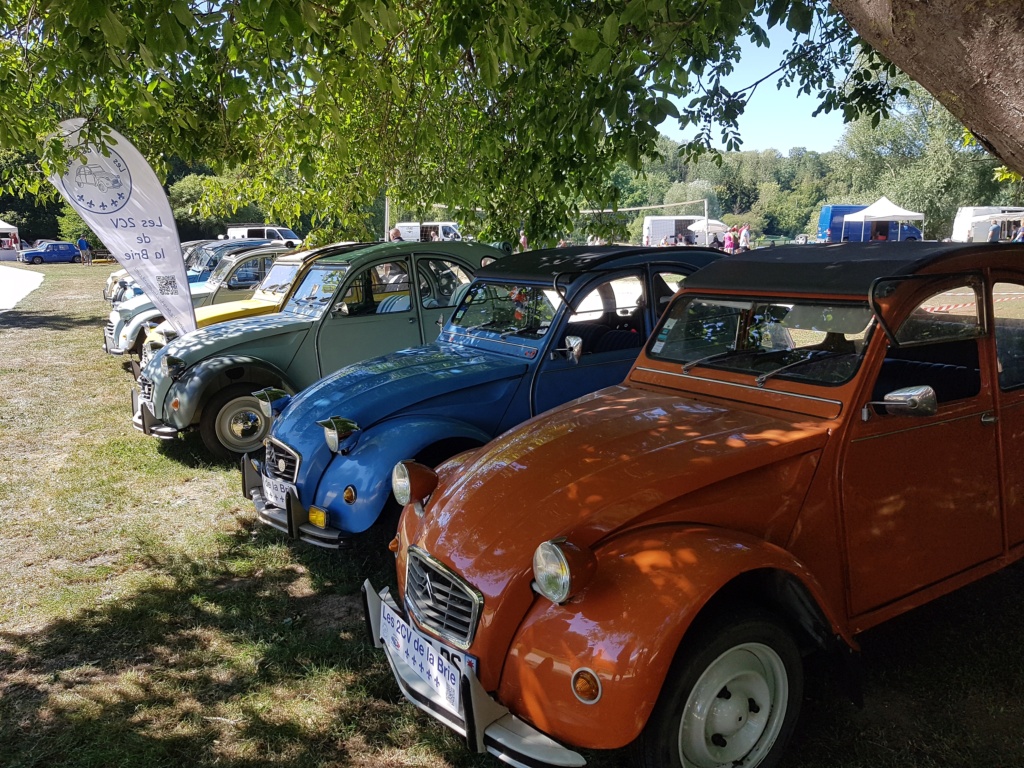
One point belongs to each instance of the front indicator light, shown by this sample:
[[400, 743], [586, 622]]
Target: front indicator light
[[318, 517], [349, 494], [561, 569], [585, 686]]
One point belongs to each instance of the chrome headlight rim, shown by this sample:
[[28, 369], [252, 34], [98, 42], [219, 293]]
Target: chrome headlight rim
[[336, 430]]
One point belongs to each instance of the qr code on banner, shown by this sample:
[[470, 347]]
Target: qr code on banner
[[167, 284]]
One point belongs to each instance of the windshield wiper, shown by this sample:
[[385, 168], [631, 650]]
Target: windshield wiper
[[811, 358], [708, 358]]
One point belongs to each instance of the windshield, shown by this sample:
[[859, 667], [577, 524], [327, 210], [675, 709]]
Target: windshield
[[287, 234], [279, 278], [508, 309], [792, 339], [316, 290]]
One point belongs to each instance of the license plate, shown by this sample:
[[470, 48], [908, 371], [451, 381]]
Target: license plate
[[437, 664], [276, 491]]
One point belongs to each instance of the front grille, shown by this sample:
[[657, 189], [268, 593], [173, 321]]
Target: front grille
[[145, 389], [441, 602], [108, 329], [281, 462]]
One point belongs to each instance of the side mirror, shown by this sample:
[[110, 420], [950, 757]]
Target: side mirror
[[573, 348], [341, 308], [908, 401]]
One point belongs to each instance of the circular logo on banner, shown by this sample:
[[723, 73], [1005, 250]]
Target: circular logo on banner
[[99, 184]]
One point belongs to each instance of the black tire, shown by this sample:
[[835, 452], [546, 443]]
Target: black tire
[[732, 697], [232, 423], [76, 259], [37, 259]]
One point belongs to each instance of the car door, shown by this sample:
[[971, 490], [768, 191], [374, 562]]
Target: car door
[[610, 316], [920, 494], [1008, 335], [372, 314], [243, 279]]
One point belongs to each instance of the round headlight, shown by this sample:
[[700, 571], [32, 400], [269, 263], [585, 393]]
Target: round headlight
[[400, 485], [561, 569], [551, 572], [172, 366]]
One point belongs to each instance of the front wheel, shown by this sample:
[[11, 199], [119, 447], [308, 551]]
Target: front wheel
[[732, 697], [76, 259], [37, 259], [232, 423]]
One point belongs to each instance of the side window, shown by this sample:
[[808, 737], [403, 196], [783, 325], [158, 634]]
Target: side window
[[255, 233], [440, 282], [938, 348], [610, 316], [247, 274], [945, 316], [379, 289], [1008, 326]]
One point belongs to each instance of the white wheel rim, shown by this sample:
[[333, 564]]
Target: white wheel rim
[[735, 711], [240, 425]]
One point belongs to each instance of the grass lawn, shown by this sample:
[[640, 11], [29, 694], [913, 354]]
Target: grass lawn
[[146, 620]]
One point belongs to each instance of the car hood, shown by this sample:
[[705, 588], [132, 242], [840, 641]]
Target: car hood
[[233, 310], [425, 379], [236, 336], [621, 457]]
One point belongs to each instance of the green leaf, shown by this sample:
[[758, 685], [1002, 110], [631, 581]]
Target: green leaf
[[584, 40], [113, 30], [234, 111], [610, 32], [599, 61]]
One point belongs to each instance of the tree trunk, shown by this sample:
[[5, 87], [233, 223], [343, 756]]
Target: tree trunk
[[969, 54]]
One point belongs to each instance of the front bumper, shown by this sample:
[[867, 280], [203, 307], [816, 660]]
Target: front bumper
[[486, 725], [110, 345], [292, 520], [146, 422]]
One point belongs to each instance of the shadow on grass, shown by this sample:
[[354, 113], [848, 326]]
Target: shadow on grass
[[51, 321], [208, 665]]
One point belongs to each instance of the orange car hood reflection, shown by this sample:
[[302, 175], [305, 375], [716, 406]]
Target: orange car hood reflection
[[614, 459]]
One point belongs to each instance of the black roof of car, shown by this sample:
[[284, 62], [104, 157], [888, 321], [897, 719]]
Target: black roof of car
[[829, 268], [548, 263]]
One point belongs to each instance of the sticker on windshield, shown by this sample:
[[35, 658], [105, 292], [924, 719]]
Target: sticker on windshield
[[657, 347]]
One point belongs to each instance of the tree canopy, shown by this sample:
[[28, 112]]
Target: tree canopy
[[521, 109]]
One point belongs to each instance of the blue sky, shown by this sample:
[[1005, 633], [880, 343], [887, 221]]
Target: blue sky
[[775, 119]]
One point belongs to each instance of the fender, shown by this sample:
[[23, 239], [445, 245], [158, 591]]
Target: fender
[[131, 330], [626, 625], [207, 376], [368, 467]]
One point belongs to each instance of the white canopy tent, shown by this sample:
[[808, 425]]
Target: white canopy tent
[[882, 209], [708, 225], [8, 241]]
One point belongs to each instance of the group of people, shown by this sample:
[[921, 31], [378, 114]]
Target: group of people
[[996, 230], [735, 240]]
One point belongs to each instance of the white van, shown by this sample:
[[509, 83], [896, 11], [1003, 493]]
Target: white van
[[972, 222], [673, 229], [265, 231], [424, 231]]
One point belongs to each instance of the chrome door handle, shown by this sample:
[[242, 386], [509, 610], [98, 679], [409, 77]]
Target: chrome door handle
[[988, 418]]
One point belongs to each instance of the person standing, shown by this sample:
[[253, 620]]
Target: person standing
[[396, 235], [994, 232], [744, 238], [730, 241], [523, 245], [85, 250]]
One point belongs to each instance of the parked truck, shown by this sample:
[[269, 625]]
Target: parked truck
[[425, 231], [972, 222], [833, 228]]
